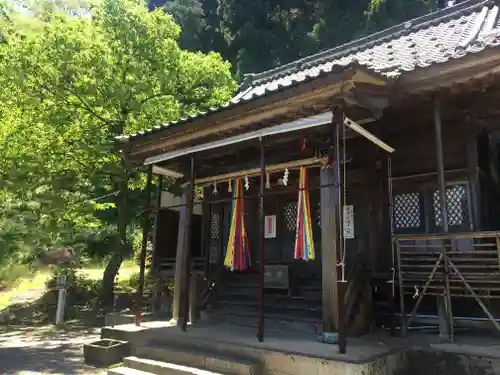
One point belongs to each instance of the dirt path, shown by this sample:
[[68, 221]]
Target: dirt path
[[38, 350]]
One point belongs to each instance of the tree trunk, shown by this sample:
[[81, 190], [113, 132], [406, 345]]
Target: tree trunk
[[106, 293]]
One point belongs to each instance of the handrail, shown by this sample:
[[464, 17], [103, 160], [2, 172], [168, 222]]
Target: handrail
[[426, 236]]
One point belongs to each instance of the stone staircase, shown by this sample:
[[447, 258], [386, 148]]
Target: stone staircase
[[160, 359]]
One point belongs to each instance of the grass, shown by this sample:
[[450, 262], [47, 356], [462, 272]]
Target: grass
[[22, 286], [35, 282], [127, 269]]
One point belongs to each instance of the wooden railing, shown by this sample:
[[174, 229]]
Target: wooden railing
[[465, 265]]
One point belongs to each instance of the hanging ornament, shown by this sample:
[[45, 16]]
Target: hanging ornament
[[238, 253], [247, 183], [215, 187], [268, 181], [285, 177], [229, 187], [304, 242]]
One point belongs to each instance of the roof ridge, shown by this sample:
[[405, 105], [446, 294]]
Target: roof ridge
[[367, 41]]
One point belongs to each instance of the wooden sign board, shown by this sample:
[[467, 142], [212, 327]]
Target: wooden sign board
[[270, 226], [349, 222]]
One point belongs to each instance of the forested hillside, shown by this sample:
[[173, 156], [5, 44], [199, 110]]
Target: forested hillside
[[257, 35]]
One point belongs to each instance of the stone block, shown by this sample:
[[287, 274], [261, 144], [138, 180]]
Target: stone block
[[105, 352]]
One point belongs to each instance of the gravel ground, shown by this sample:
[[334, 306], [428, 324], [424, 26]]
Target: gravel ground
[[33, 350]]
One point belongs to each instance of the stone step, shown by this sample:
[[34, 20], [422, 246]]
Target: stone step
[[198, 359], [122, 370], [163, 368]]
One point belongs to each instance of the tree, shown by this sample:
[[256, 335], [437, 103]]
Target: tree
[[266, 33], [190, 17], [84, 81], [385, 13]]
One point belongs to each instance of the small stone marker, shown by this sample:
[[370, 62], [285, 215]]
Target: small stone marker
[[61, 299]]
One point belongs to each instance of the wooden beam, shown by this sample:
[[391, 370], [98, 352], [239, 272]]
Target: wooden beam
[[310, 162], [268, 107], [289, 127], [473, 66]]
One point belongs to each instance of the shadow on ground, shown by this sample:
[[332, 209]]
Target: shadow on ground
[[42, 349]]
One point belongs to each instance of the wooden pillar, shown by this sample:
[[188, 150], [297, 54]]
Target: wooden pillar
[[205, 229], [446, 318], [180, 262], [383, 255], [331, 245], [187, 247], [338, 117], [328, 201], [145, 233], [194, 282], [154, 257], [474, 189], [260, 332]]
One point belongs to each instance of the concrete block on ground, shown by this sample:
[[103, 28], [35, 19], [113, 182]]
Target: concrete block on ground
[[105, 352]]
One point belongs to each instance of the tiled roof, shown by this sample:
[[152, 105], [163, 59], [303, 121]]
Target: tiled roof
[[448, 34]]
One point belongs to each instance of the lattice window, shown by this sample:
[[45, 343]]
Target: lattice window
[[290, 216], [457, 206], [215, 226], [407, 211]]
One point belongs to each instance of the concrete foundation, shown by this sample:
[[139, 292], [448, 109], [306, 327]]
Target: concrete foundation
[[300, 354]]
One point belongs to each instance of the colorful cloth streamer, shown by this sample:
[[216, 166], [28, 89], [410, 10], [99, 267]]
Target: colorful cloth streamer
[[304, 243], [237, 253]]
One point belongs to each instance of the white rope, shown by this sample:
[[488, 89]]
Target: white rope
[[268, 181], [285, 177]]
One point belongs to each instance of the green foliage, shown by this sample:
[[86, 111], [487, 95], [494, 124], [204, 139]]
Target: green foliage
[[68, 85], [80, 289], [12, 272], [190, 17]]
